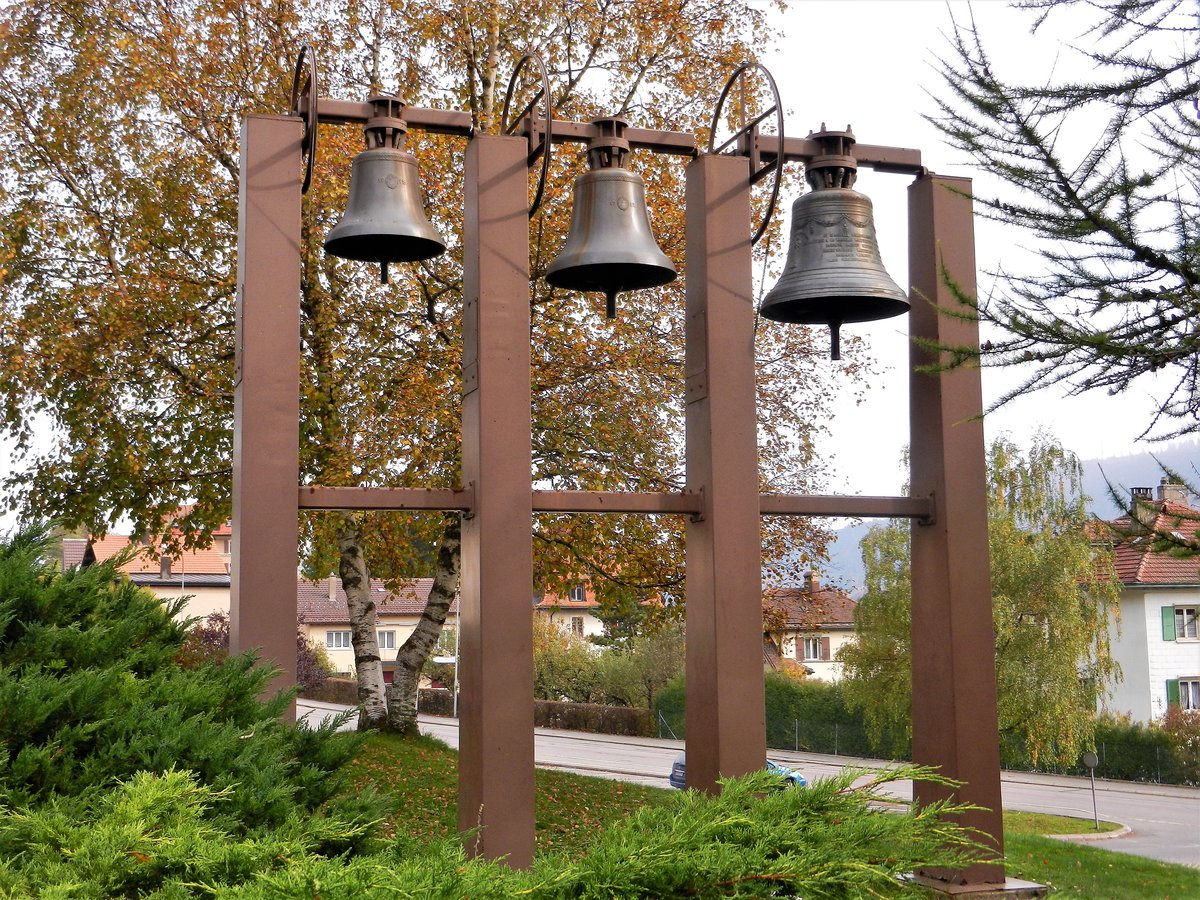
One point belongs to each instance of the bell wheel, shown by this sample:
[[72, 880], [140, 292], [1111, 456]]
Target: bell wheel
[[304, 104], [748, 121], [539, 125]]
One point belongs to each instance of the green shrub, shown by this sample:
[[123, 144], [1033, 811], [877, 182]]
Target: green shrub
[[149, 833], [92, 691], [594, 717], [801, 715]]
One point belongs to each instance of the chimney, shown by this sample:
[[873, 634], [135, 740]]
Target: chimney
[[332, 588], [814, 580], [1172, 492]]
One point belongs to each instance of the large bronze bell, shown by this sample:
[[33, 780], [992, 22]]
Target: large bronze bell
[[384, 220], [834, 272], [610, 247]]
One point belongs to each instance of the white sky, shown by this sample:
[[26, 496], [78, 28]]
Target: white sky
[[871, 65]]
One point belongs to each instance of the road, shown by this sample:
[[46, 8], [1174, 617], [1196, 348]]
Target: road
[[1163, 820]]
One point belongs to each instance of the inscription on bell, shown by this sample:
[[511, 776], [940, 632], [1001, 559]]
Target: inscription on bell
[[839, 240]]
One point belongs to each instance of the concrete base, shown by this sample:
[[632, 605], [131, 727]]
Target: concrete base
[[1011, 889]]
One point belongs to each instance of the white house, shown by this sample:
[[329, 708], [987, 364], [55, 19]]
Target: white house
[[817, 621], [1157, 638], [575, 613]]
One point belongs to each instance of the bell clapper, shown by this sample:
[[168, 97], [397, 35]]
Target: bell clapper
[[383, 272], [610, 306], [835, 340]]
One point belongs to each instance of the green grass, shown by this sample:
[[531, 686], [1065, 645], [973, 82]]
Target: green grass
[[1044, 823], [421, 778], [1090, 873]]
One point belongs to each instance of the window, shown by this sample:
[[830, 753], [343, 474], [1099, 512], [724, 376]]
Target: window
[[337, 640], [577, 594], [813, 648], [1184, 693], [225, 545], [387, 640], [577, 625], [1179, 623], [1185, 622]]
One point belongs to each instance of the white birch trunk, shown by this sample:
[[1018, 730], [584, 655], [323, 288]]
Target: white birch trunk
[[402, 693], [368, 668]]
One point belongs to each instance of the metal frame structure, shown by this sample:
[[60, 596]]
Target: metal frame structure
[[954, 697]]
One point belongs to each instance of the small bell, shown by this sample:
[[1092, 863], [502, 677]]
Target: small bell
[[384, 220], [610, 247], [834, 272]]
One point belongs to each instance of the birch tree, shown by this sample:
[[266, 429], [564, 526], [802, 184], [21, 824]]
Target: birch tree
[[118, 198], [1052, 592]]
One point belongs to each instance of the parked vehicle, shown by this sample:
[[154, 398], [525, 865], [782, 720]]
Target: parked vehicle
[[678, 776]]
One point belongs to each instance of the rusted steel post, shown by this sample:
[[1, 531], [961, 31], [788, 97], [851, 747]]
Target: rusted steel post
[[266, 431], [726, 731], [496, 789], [953, 659]]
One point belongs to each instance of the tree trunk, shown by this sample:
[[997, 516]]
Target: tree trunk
[[402, 693], [368, 669]]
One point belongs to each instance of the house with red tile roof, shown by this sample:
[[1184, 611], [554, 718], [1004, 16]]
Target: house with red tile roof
[[815, 622], [1157, 637], [200, 576]]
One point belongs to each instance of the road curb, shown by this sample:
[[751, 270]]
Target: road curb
[[1090, 836]]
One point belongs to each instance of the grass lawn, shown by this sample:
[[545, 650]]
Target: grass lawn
[[421, 776]]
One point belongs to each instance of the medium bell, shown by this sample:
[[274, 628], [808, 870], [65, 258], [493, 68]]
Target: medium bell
[[384, 221], [834, 272], [610, 247]]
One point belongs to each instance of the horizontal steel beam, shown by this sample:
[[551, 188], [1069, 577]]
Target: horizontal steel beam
[[674, 142], [419, 118], [920, 508], [617, 502], [314, 496], [902, 160], [649, 503]]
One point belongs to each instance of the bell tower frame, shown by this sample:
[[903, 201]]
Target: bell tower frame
[[954, 704]]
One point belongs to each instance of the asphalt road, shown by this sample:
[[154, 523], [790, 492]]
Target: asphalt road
[[1163, 820]]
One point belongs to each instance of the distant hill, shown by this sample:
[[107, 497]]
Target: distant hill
[[845, 567], [1137, 470]]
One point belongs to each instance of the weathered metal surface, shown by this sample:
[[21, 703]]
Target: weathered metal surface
[[610, 247], [834, 272], [726, 732], [953, 663], [266, 435], [496, 789]]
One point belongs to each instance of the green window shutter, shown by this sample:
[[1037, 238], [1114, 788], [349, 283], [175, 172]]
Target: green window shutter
[[1168, 623], [1173, 692]]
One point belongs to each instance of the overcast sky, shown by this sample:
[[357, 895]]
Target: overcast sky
[[871, 65]]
